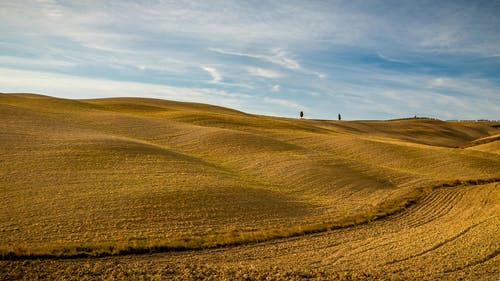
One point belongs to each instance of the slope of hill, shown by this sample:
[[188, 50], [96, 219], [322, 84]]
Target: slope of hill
[[107, 176]]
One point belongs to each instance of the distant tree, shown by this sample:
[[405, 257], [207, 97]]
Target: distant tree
[[301, 114], [340, 118]]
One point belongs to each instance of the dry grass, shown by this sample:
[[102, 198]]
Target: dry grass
[[113, 176]]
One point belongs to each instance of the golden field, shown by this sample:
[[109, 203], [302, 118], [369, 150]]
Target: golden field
[[243, 196]]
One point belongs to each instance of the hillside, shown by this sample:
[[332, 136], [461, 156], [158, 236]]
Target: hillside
[[107, 176]]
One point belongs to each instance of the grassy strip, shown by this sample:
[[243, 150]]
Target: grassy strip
[[466, 182], [383, 210]]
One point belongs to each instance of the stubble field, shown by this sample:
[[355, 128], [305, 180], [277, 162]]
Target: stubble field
[[243, 196]]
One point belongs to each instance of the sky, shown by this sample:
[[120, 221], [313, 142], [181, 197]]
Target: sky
[[363, 59]]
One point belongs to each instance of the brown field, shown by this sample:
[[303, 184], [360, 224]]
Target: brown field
[[130, 188]]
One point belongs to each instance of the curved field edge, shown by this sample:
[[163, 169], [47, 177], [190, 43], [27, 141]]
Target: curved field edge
[[481, 141], [83, 250]]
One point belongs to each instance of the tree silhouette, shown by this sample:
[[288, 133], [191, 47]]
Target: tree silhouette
[[301, 114], [340, 118]]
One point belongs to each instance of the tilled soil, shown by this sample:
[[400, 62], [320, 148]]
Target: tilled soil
[[450, 234]]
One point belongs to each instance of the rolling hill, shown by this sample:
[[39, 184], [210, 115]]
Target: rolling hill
[[131, 175]]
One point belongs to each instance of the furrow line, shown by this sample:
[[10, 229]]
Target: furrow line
[[437, 246], [488, 257], [440, 206]]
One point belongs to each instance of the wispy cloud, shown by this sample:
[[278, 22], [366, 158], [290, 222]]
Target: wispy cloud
[[422, 95], [25, 62], [276, 56], [69, 86], [281, 57], [216, 76], [284, 103], [380, 55], [266, 73], [51, 8], [276, 88]]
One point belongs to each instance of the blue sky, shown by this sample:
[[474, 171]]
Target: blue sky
[[363, 59]]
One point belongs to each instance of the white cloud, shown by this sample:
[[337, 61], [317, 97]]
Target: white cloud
[[479, 88], [284, 103], [216, 76], [282, 58], [380, 55], [266, 73], [25, 62], [321, 75], [277, 24], [277, 56], [276, 88], [68, 86], [437, 82], [51, 8], [443, 98]]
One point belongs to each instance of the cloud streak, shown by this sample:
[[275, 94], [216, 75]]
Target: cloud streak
[[216, 76], [260, 72], [68, 86], [276, 56]]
